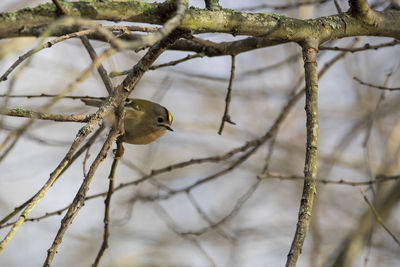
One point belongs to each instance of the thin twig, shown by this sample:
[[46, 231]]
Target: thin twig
[[338, 8], [104, 245], [226, 117], [41, 47], [269, 154], [374, 112], [234, 211], [52, 96], [162, 213], [7, 95], [85, 158], [245, 74], [269, 175], [379, 218], [60, 8], [283, 7], [24, 113], [363, 48], [100, 69], [114, 74], [275, 66], [175, 62], [378, 179], [377, 86], [210, 222]]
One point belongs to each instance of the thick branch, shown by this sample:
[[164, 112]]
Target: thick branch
[[359, 6], [276, 27], [361, 10]]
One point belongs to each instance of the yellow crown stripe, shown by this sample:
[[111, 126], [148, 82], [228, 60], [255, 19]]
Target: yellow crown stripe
[[169, 116]]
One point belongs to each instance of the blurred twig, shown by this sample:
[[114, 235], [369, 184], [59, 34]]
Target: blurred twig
[[377, 86], [379, 218], [14, 136], [114, 74], [174, 228], [90, 141], [374, 112], [236, 208], [338, 8], [284, 7], [384, 201], [207, 219], [363, 48], [269, 175], [378, 179]]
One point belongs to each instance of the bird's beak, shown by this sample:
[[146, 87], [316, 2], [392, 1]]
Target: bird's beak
[[166, 127]]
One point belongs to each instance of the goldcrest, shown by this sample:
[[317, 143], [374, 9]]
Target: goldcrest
[[144, 122]]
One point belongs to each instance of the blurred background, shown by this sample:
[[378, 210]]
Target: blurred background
[[234, 219]]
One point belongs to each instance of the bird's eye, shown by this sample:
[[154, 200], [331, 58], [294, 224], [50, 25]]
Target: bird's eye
[[160, 120]]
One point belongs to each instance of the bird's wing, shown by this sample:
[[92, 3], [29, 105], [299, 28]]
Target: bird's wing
[[94, 102]]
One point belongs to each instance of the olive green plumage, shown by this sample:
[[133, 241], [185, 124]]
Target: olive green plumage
[[144, 122]]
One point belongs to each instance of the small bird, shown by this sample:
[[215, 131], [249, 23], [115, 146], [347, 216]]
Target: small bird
[[144, 122]]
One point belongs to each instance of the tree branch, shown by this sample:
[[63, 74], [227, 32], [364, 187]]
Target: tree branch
[[121, 93], [107, 202], [380, 87], [226, 117], [79, 199], [361, 10], [379, 218], [24, 113], [310, 166], [276, 27], [213, 5]]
